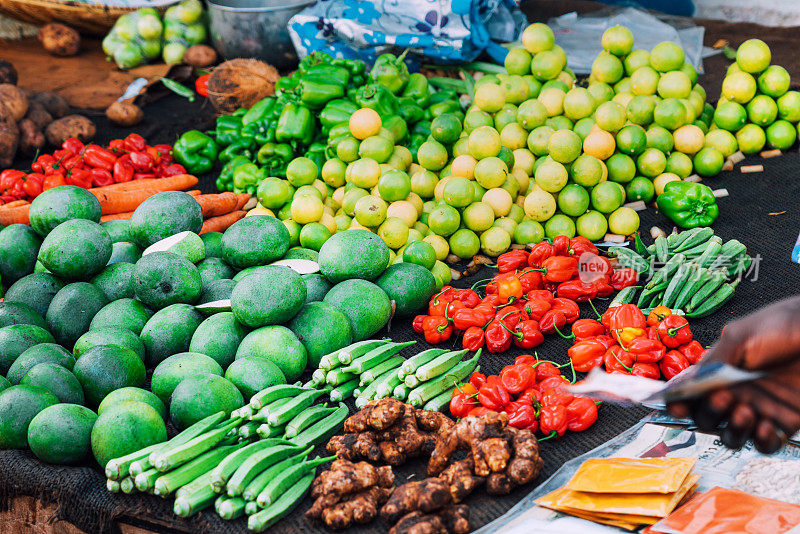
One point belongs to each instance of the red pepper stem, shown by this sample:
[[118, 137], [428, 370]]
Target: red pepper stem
[[517, 335], [629, 369], [572, 368], [595, 309], [551, 435], [571, 336], [481, 283], [436, 296], [672, 332]]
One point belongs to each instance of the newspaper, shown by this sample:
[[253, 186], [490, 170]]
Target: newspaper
[[624, 389], [663, 418], [716, 464]]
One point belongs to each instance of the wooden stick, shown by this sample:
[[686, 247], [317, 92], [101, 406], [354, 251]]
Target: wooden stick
[[694, 178], [747, 169], [719, 193], [614, 238], [728, 166], [637, 205], [736, 157], [766, 154]]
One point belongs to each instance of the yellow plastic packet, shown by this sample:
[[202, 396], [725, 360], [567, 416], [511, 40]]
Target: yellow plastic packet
[[611, 522], [646, 504], [551, 501], [631, 475]]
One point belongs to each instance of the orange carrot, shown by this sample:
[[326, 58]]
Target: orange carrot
[[180, 182], [221, 223], [116, 216], [194, 192], [15, 203], [217, 204], [121, 201], [242, 200], [14, 215]]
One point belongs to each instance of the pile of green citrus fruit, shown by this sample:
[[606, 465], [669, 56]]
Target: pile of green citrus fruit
[[756, 108]]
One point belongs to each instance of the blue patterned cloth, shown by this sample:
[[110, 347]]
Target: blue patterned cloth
[[444, 31]]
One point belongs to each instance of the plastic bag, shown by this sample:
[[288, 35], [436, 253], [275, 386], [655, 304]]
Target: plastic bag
[[580, 36], [443, 32], [631, 475]]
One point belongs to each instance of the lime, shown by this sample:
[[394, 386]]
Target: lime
[[314, 235], [524, 160], [516, 89], [578, 103], [376, 147], [670, 113], [553, 100], [592, 225], [309, 190], [442, 274], [464, 243], [301, 171], [405, 210], [423, 183], [350, 198], [491, 172], [518, 61], [538, 37], [458, 192], [534, 86], [478, 216], [640, 110], [781, 134], [559, 224], [463, 165], [333, 172], [583, 127], [365, 123], [484, 142], [601, 92], [644, 81], [394, 185], [674, 84], [689, 139], [599, 143], [640, 188], [538, 140], [347, 149], [394, 232], [421, 253], [363, 173], [623, 221], [621, 168], [607, 68], [753, 56], [477, 118], [573, 200], [273, 192], [559, 122], [514, 136], [632, 140], [564, 146], [636, 60], [730, 116], [499, 199], [607, 196], [551, 176], [751, 139], [698, 106], [561, 85], [490, 97], [439, 244], [539, 204], [528, 232], [774, 81], [461, 146], [446, 128], [651, 162], [667, 56], [679, 163], [789, 106], [306, 208], [495, 241], [623, 98], [618, 40], [739, 87], [610, 116], [762, 110], [444, 220], [660, 181], [722, 140], [370, 211], [689, 70], [432, 155], [586, 171], [708, 162], [547, 65], [531, 114], [488, 78]]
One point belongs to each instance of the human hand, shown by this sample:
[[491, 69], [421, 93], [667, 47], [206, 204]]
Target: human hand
[[766, 410]]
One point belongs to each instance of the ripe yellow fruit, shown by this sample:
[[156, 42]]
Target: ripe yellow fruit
[[599, 143]]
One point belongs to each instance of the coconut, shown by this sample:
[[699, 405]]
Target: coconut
[[240, 83]]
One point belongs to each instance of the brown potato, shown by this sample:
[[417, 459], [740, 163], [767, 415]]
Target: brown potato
[[8, 74], [59, 40], [31, 138], [55, 104], [199, 56], [69, 126], [9, 140], [13, 100], [38, 114], [124, 113]]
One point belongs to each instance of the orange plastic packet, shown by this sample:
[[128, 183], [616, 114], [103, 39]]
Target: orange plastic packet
[[604, 521], [729, 511], [644, 504], [631, 475]]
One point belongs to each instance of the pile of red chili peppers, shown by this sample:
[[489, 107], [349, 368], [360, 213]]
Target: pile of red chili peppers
[[520, 306], [530, 392], [626, 341], [89, 166]]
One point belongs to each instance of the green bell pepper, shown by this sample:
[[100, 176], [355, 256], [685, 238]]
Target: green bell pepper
[[336, 112], [315, 94], [327, 74], [355, 66], [687, 204], [422, 128], [196, 151], [343, 128], [225, 179], [414, 143], [240, 112], [242, 147], [270, 151], [443, 95], [287, 83], [409, 110], [316, 153], [245, 176], [417, 89], [259, 111], [397, 126], [295, 124], [376, 96], [391, 71], [447, 106], [312, 59], [228, 129], [261, 132]]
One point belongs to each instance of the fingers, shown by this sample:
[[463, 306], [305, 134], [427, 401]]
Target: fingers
[[710, 411], [740, 427], [767, 438], [680, 410]]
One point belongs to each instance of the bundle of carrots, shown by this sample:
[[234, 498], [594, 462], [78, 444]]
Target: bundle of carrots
[[118, 201]]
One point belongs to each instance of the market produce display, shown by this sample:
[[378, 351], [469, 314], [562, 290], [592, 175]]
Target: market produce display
[[142, 36]]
